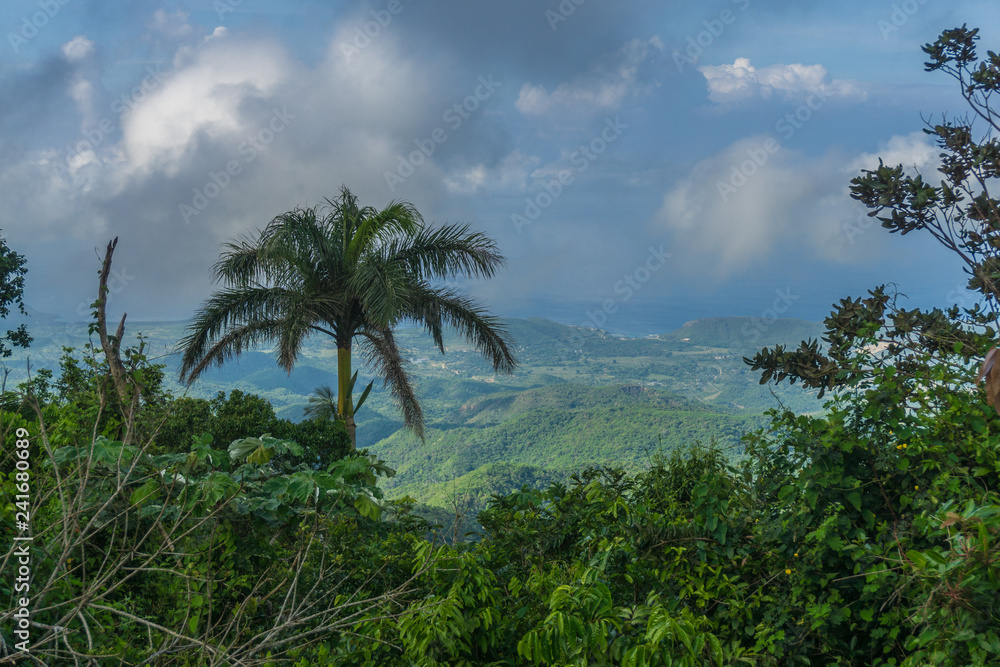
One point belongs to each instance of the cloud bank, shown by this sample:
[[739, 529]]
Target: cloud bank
[[741, 82]]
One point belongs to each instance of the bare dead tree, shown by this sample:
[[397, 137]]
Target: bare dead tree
[[127, 387]]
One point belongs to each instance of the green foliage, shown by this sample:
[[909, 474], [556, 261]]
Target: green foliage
[[183, 550], [226, 418], [560, 428], [12, 273]]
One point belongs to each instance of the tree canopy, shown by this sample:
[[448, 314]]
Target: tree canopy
[[12, 271]]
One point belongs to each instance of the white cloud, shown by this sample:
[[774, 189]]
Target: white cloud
[[81, 90], [604, 87], [191, 121], [510, 175], [742, 81], [206, 96], [350, 122], [913, 151], [733, 213], [77, 48]]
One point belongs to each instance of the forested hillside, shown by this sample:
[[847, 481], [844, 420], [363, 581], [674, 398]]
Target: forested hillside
[[558, 429]]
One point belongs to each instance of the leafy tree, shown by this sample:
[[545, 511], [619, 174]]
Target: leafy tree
[[959, 212], [349, 272], [208, 557], [179, 422], [12, 292], [885, 510]]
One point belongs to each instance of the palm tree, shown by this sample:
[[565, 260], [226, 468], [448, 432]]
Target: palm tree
[[323, 406], [352, 273]]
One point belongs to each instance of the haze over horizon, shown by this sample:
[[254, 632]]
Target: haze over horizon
[[639, 165]]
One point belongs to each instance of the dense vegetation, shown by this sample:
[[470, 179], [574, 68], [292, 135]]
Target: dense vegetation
[[559, 429], [865, 535]]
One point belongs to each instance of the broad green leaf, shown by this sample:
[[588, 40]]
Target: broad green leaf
[[276, 486], [239, 449], [367, 506], [917, 558], [260, 456], [300, 486], [854, 497], [144, 492]]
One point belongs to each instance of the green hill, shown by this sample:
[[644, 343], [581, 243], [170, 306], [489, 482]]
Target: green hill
[[558, 429], [469, 492]]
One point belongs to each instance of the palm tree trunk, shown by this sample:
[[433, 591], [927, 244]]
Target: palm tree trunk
[[351, 430], [345, 402]]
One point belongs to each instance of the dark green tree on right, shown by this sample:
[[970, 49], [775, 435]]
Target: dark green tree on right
[[866, 335], [889, 512], [12, 292]]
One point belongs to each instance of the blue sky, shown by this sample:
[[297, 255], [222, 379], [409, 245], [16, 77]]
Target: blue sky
[[636, 162]]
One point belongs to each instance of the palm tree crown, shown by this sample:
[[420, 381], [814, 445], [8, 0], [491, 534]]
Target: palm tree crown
[[352, 273]]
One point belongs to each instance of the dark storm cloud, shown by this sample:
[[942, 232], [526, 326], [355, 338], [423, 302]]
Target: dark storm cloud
[[518, 34], [33, 102]]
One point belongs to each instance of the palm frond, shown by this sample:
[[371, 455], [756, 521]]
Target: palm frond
[[322, 406], [228, 346], [448, 251], [434, 306], [379, 227], [382, 353], [234, 320], [383, 287]]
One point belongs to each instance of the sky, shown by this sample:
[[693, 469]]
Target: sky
[[639, 163]]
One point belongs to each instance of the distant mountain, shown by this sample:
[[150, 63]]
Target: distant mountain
[[579, 396]]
